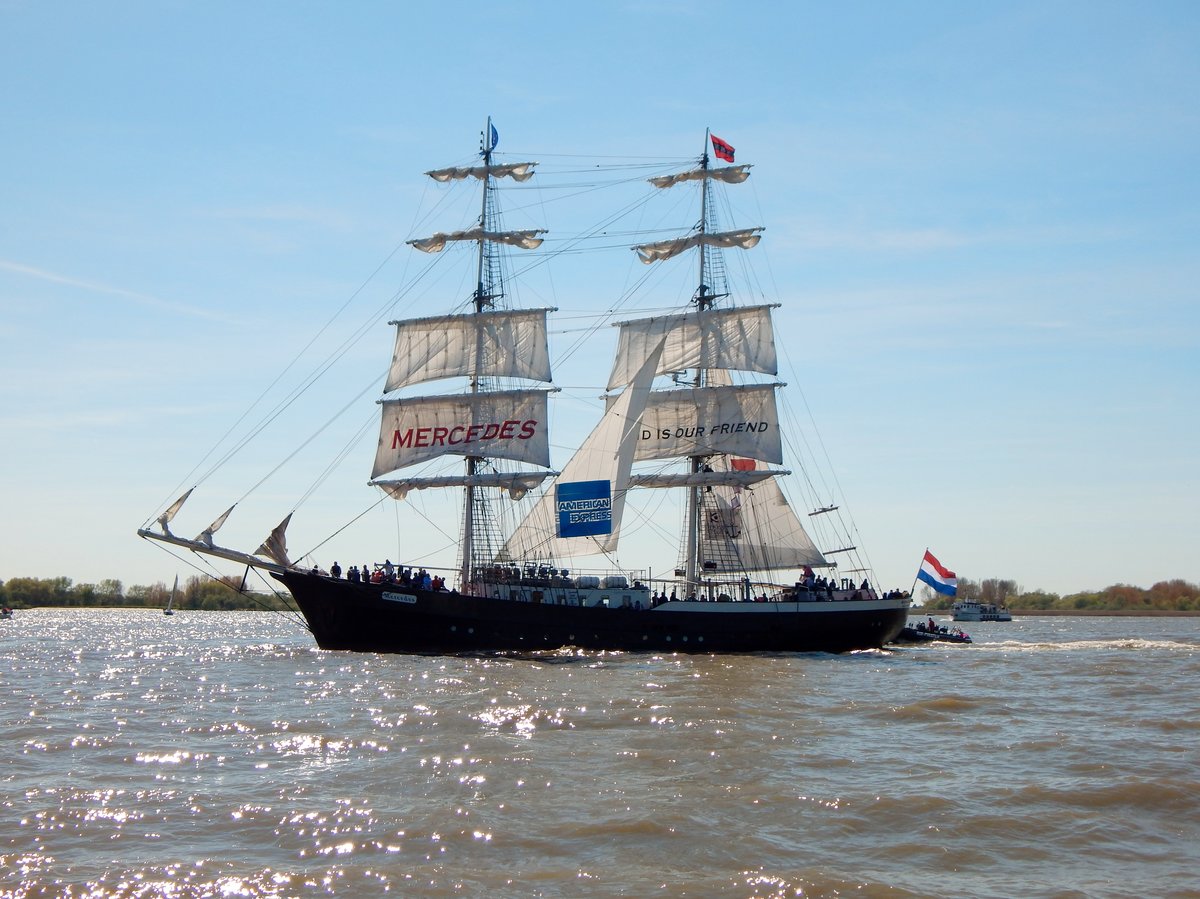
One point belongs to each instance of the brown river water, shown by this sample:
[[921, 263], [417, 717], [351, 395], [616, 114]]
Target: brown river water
[[221, 754]]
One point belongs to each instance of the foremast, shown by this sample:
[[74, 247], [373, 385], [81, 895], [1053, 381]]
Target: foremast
[[484, 283], [490, 342]]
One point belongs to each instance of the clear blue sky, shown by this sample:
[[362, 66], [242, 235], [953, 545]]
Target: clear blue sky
[[983, 218]]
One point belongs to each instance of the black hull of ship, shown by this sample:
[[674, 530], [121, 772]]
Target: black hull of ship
[[343, 615]]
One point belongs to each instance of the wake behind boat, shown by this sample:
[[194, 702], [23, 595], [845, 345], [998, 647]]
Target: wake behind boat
[[689, 407]]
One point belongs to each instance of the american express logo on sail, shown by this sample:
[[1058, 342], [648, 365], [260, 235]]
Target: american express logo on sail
[[584, 508]]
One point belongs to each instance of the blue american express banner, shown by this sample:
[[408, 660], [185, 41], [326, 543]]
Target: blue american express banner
[[584, 508]]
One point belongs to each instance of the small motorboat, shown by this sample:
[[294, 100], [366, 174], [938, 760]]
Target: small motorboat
[[923, 632]]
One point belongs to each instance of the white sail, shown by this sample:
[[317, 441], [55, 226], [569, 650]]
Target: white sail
[[505, 424], [518, 171], [738, 338], [517, 483], [743, 239], [740, 420], [732, 174], [757, 526], [508, 343], [526, 240], [605, 456]]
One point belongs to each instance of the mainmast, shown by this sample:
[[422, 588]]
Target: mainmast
[[727, 423], [703, 301]]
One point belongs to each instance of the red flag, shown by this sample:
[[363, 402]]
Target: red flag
[[742, 464], [722, 149]]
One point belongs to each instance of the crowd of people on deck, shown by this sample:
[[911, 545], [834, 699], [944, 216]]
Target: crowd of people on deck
[[387, 573], [657, 599], [812, 586], [809, 587]]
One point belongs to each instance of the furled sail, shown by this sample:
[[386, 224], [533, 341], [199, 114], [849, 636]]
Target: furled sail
[[517, 483], [505, 424], [740, 420], [604, 458], [509, 343], [744, 239], [518, 171], [738, 338], [705, 478], [206, 535], [165, 519], [732, 174], [526, 240], [275, 546], [757, 526]]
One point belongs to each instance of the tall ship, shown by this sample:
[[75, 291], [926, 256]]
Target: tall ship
[[690, 406]]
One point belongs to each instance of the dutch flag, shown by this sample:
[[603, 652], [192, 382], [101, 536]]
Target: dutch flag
[[937, 575]]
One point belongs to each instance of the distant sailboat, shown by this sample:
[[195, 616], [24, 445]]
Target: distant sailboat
[[171, 601]]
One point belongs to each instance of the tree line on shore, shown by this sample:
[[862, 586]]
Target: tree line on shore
[[227, 593], [1175, 595], [211, 594]]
